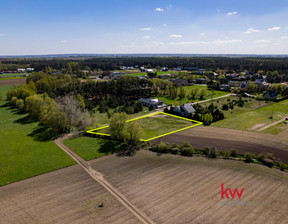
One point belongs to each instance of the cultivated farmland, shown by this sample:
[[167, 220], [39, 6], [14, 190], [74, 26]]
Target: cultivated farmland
[[167, 188], [227, 139]]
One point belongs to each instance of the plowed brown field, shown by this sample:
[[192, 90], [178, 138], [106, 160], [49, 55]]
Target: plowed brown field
[[11, 82], [226, 139], [167, 188]]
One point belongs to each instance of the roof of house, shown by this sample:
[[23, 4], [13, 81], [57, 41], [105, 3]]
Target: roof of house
[[188, 107]]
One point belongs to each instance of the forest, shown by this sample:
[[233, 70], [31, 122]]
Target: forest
[[238, 64]]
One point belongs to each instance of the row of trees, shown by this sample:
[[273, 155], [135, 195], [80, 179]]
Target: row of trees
[[60, 115]]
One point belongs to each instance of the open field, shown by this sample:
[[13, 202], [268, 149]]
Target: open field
[[155, 125], [227, 139], [10, 82], [9, 75], [90, 148], [167, 188], [178, 101], [24, 151], [254, 116], [68, 195]]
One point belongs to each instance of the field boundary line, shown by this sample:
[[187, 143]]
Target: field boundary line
[[97, 176], [93, 131]]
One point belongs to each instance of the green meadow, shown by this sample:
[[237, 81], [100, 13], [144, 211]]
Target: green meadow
[[25, 151]]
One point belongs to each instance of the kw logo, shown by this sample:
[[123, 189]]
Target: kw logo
[[225, 192]]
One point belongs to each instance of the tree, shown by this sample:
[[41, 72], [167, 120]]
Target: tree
[[182, 92], [225, 107], [208, 119], [133, 132], [81, 101], [193, 93], [20, 104], [116, 126], [34, 105], [56, 119], [202, 94]]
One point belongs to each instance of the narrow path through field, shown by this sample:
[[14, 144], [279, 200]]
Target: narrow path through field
[[203, 101], [100, 179], [274, 123]]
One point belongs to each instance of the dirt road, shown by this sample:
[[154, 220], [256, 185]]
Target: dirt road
[[100, 179]]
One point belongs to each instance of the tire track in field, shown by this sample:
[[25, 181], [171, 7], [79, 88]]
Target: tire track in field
[[97, 176]]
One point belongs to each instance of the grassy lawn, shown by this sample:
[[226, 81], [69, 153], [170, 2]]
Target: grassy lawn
[[3, 91], [11, 75], [21, 155], [101, 119], [276, 129], [90, 148], [253, 115], [179, 101], [157, 125]]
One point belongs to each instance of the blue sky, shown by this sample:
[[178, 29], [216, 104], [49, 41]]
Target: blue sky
[[150, 26]]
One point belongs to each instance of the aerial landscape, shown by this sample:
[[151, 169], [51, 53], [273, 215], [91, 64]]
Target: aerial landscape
[[144, 112]]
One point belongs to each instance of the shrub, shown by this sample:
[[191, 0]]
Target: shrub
[[225, 155], [268, 162], [225, 107], [13, 101], [174, 150], [210, 152], [162, 147], [186, 145], [187, 151], [234, 153], [283, 166], [249, 157]]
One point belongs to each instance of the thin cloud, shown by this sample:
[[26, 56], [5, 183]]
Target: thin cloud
[[252, 30], [202, 34], [176, 36], [231, 13], [146, 37], [284, 37], [159, 9], [262, 41], [64, 41], [3, 34], [146, 29], [154, 44], [274, 28], [214, 42]]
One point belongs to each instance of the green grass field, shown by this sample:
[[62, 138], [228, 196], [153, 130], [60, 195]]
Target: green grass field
[[21, 155], [167, 100], [253, 115], [11, 75], [3, 91], [156, 125], [90, 148]]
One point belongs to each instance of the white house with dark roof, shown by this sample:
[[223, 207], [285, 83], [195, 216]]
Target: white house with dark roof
[[155, 103]]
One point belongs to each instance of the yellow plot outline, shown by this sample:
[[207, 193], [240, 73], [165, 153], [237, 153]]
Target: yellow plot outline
[[149, 115]]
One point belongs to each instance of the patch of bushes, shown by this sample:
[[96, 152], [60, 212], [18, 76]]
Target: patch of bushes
[[211, 152]]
